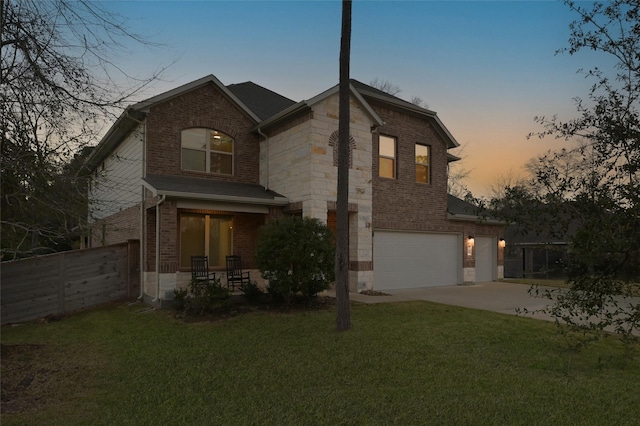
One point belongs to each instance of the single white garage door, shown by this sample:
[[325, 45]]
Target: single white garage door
[[486, 258], [414, 260]]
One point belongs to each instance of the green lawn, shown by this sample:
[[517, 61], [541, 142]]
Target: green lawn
[[540, 282], [405, 363]]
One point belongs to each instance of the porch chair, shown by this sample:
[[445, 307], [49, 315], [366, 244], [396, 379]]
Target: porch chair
[[200, 275], [235, 275]]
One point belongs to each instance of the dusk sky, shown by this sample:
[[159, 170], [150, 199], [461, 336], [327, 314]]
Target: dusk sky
[[487, 68]]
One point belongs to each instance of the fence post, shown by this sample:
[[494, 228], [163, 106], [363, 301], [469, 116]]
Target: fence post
[[133, 267], [61, 283]]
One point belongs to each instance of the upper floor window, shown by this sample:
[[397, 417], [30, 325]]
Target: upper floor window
[[206, 150], [387, 151], [422, 163]]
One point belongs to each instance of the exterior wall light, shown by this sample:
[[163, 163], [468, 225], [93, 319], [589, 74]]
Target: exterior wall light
[[502, 243], [470, 242]]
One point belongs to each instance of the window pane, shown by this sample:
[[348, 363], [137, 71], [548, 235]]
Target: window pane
[[221, 142], [222, 163], [220, 239], [194, 160], [422, 154], [422, 173], [387, 167], [387, 146], [194, 139], [191, 238]]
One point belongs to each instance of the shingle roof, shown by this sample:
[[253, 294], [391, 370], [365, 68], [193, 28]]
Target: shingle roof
[[263, 102], [461, 210], [207, 189], [457, 206], [360, 86]]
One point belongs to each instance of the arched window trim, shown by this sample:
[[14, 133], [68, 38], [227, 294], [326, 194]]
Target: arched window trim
[[333, 142]]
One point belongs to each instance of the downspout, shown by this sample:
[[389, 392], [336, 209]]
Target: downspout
[[143, 211], [266, 138], [160, 201]]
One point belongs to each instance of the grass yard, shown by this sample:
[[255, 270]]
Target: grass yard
[[405, 363], [540, 282], [635, 287]]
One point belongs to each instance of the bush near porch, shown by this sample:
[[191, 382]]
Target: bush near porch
[[404, 363]]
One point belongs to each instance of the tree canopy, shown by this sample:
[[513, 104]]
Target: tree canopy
[[593, 183], [60, 81]]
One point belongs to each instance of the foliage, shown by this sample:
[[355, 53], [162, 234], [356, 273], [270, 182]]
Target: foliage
[[252, 292], [296, 255], [589, 193], [202, 297], [60, 83], [180, 296]]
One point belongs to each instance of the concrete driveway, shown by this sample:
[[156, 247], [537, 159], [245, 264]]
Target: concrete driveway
[[500, 297]]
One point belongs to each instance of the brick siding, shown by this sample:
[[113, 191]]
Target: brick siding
[[203, 107]]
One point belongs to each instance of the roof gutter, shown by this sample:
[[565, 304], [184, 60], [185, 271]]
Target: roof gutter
[[160, 201], [276, 201], [266, 139], [474, 218]]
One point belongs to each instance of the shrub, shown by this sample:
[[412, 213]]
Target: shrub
[[180, 299], [251, 292], [296, 255], [201, 298]]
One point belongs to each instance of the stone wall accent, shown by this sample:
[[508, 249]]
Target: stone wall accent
[[299, 164]]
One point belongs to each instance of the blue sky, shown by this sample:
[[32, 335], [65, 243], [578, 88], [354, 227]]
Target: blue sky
[[486, 67]]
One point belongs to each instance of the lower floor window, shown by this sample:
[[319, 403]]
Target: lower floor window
[[205, 235]]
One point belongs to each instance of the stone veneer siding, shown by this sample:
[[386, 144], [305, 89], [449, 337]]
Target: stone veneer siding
[[298, 162]]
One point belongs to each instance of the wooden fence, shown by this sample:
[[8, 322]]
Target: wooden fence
[[61, 283]]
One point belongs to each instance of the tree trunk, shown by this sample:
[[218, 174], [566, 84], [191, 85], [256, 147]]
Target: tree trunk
[[342, 210]]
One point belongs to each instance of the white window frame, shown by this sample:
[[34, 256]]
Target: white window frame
[[427, 164], [394, 158], [208, 150]]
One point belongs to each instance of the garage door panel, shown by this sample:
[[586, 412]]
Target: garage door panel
[[414, 260], [486, 252]]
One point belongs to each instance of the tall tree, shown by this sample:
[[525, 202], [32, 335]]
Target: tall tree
[[59, 83], [342, 213], [593, 186]]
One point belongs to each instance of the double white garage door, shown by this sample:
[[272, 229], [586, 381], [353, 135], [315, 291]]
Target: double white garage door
[[414, 260]]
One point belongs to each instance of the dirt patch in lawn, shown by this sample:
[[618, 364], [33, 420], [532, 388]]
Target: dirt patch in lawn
[[25, 384], [35, 376]]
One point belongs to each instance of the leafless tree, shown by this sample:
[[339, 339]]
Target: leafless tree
[[61, 80], [386, 86]]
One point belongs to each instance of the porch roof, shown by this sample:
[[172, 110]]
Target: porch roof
[[212, 190]]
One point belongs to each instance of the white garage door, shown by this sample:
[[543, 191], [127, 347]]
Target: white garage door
[[414, 260], [486, 252]]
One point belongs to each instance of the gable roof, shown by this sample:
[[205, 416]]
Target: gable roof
[[263, 106], [209, 79], [134, 114], [306, 105], [371, 93], [263, 102]]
